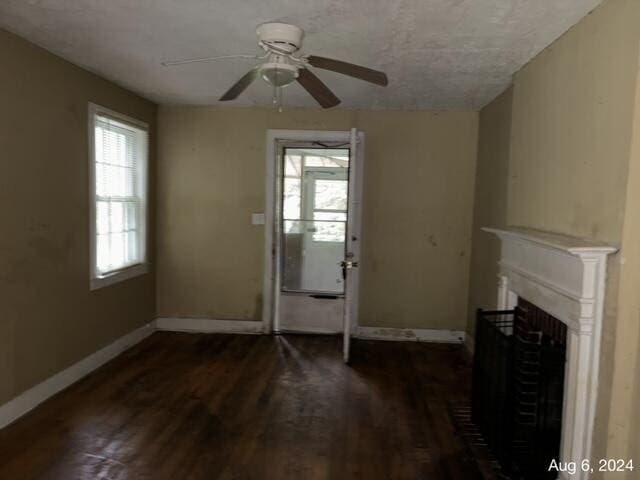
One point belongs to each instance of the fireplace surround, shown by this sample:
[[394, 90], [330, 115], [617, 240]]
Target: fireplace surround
[[564, 276]]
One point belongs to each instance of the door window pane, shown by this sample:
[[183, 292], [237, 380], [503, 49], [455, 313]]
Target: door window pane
[[292, 165], [312, 265], [291, 198], [330, 195], [314, 209], [329, 232]]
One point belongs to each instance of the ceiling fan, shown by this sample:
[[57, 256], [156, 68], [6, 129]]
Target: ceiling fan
[[283, 64]]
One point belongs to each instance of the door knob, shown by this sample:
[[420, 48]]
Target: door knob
[[348, 264]]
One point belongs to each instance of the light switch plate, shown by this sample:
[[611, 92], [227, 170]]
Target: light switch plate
[[257, 219]]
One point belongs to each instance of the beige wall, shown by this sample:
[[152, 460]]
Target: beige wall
[[48, 317], [624, 439], [418, 195], [572, 113], [490, 203], [569, 166]]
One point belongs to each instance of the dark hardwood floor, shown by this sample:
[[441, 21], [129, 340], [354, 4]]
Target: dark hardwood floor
[[191, 406]]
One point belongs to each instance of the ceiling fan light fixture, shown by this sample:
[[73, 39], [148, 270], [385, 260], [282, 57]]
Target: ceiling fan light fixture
[[278, 74]]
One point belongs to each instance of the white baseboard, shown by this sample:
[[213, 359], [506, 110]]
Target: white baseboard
[[410, 334], [207, 325], [26, 401]]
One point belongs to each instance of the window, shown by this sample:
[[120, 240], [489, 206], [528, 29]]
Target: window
[[118, 165], [330, 210], [318, 204]]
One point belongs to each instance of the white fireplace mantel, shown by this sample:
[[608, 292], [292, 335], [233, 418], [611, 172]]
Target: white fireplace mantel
[[564, 276]]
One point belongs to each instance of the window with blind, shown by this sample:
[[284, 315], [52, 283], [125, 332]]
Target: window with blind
[[119, 187]]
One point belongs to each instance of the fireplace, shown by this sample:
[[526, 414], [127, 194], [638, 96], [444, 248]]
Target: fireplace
[[555, 284], [518, 386]]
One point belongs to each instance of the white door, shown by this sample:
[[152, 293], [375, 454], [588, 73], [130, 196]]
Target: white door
[[352, 246], [325, 202], [315, 192]]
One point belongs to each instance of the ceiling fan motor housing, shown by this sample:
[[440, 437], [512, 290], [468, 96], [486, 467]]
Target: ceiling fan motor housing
[[281, 35]]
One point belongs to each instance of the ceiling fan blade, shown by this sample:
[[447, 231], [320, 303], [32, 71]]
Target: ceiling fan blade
[[317, 89], [205, 59], [242, 84], [356, 71]]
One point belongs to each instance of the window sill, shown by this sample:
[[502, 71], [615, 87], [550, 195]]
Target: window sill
[[116, 277]]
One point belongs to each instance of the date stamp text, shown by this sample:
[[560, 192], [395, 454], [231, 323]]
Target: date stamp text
[[602, 465]]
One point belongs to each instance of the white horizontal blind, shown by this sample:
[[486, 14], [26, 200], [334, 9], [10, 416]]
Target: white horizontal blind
[[120, 191]]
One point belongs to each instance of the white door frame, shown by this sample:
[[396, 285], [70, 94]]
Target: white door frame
[[272, 234]]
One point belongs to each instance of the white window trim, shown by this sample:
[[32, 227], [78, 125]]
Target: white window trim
[[97, 281]]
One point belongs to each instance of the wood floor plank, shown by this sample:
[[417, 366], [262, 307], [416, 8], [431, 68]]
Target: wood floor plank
[[227, 407]]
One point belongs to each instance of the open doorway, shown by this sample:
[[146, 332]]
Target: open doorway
[[313, 231], [314, 199]]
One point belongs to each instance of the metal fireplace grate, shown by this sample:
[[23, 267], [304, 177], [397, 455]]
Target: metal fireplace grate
[[492, 406], [518, 381]]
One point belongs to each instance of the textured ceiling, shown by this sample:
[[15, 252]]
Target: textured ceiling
[[438, 54]]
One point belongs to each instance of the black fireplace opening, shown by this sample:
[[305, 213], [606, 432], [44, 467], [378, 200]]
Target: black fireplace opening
[[518, 383]]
